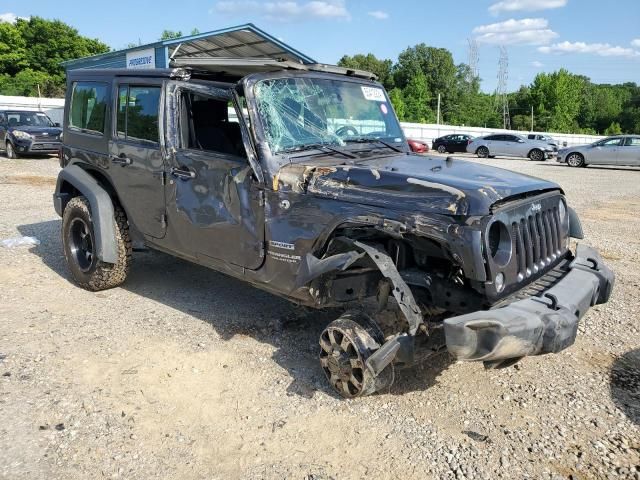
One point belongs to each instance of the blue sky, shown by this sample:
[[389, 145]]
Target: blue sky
[[589, 37]]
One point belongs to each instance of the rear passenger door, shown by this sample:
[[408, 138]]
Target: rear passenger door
[[136, 163], [3, 130], [629, 153]]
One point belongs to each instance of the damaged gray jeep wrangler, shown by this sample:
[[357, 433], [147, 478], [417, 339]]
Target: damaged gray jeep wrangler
[[298, 179]]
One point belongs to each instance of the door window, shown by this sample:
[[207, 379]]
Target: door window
[[610, 142], [210, 124], [494, 138], [137, 116], [632, 142], [88, 107]]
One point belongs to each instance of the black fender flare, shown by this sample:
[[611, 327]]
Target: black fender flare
[[102, 211]]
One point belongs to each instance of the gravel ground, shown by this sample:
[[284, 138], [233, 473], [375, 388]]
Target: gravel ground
[[185, 373]]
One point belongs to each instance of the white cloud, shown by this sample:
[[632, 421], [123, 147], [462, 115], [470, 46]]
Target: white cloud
[[527, 31], [10, 17], [285, 10], [635, 42], [537, 64], [601, 49], [379, 15], [525, 5]]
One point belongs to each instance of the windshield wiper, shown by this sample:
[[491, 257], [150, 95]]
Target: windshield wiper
[[319, 146], [374, 140]]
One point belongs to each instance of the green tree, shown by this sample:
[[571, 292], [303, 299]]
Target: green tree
[[557, 98], [31, 51], [51, 42], [370, 63], [416, 98], [170, 34], [437, 66], [397, 100], [613, 129], [13, 49]]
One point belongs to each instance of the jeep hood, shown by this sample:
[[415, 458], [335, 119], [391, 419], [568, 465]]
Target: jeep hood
[[412, 183]]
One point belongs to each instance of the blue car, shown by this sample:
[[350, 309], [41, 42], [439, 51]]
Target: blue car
[[28, 133]]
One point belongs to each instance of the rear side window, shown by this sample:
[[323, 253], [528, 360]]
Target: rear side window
[[493, 137], [88, 106], [137, 117]]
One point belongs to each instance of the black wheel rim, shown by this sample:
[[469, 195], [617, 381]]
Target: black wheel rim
[[484, 153], [441, 149], [81, 244], [536, 155], [342, 362]]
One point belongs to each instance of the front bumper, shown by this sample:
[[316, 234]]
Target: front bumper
[[536, 325], [37, 146]]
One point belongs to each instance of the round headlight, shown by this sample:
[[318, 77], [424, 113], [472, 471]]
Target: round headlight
[[563, 213], [500, 243]]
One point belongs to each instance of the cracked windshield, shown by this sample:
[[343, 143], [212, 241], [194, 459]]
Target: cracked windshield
[[300, 113]]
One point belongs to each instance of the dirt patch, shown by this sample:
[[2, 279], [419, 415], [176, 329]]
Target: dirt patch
[[619, 210], [31, 180]]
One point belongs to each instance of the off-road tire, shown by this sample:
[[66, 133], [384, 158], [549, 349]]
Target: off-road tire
[[97, 275], [442, 149], [536, 155], [482, 152], [365, 337], [575, 160], [9, 151]]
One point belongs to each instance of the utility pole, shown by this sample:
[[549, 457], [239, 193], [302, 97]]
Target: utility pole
[[438, 114], [532, 118]]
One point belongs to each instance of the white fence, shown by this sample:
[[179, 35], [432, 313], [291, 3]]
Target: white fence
[[428, 132], [53, 107]]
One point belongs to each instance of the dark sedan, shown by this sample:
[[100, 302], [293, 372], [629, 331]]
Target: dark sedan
[[28, 133], [452, 143]]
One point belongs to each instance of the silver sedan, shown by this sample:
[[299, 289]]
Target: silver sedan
[[510, 145], [618, 150]]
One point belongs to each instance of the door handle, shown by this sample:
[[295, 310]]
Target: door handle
[[183, 173], [124, 161]]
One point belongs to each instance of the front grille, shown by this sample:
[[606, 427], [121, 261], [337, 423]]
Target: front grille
[[537, 241], [46, 138], [533, 240]]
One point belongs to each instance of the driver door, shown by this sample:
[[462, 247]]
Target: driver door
[[215, 202], [605, 152]]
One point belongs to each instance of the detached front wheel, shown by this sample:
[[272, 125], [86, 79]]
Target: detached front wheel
[[345, 346], [79, 243]]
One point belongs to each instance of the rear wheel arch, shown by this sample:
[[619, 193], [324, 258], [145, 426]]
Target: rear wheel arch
[[74, 181]]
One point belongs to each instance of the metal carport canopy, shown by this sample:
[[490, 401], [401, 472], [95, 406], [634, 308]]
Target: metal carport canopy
[[245, 41]]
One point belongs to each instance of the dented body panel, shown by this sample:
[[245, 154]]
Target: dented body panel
[[355, 221]]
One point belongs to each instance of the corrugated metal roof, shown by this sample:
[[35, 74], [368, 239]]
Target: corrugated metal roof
[[243, 41]]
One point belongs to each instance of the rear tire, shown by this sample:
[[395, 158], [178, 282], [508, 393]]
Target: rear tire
[[536, 155], [78, 240], [575, 160], [442, 149], [482, 152]]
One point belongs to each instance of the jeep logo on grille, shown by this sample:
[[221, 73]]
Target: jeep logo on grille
[[536, 207]]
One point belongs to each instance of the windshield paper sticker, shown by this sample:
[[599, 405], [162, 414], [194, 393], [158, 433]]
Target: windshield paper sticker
[[373, 93]]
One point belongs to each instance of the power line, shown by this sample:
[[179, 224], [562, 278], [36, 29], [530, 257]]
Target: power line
[[473, 59]]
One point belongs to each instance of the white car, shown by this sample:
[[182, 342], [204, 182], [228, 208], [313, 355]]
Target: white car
[[510, 145], [618, 150]]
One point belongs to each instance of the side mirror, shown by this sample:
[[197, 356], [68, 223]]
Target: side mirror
[[57, 124], [520, 141]]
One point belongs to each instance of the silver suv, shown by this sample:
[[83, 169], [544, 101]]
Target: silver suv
[[510, 145]]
